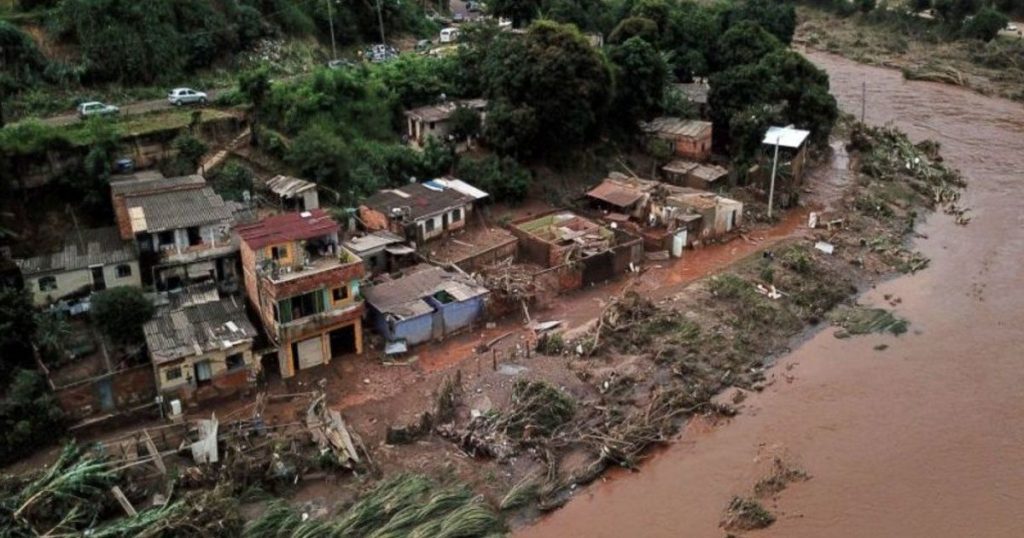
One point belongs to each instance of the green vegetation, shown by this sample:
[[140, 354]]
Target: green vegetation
[[856, 320], [121, 312], [29, 416], [403, 506]]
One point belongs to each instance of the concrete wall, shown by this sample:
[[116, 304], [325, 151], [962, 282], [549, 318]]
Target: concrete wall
[[218, 367], [452, 317], [459, 315], [479, 260], [414, 330], [695, 148], [72, 281]]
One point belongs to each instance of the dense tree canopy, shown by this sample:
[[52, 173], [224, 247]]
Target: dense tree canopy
[[121, 312], [640, 75], [553, 75]]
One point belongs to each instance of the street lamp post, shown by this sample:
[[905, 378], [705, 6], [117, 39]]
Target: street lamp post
[[775, 166]]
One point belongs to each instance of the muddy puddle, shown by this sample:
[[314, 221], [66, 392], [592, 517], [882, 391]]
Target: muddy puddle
[[924, 438]]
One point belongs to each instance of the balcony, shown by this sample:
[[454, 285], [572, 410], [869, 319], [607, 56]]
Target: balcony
[[333, 257]]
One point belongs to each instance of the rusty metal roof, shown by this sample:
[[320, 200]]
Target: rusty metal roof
[[293, 226], [677, 127], [616, 194], [196, 329]]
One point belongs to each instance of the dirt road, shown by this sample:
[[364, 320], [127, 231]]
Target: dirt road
[[924, 438], [130, 109]]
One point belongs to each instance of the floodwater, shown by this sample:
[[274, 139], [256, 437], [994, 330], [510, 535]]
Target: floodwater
[[922, 439]]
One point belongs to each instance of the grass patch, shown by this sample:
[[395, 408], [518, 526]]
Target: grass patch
[[856, 320], [745, 514]]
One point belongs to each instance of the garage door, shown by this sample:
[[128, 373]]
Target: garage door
[[311, 353]]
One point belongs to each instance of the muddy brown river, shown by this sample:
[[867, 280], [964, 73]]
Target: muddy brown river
[[922, 439]]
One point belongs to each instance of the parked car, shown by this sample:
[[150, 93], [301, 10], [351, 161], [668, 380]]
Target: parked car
[[184, 96], [96, 108]]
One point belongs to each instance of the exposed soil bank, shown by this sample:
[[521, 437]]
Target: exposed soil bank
[[924, 438]]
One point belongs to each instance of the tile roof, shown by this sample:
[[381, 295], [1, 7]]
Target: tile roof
[[170, 210], [422, 201], [443, 111], [403, 297], [97, 246], [196, 329], [151, 182], [285, 227]]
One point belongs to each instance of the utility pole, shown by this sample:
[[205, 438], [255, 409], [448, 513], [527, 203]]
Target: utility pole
[[330, 22], [380, 21], [863, 99], [775, 166]]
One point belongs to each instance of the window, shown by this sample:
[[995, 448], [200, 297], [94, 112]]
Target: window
[[279, 252], [194, 238], [429, 225], [165, 238], [235, 361], [340, 294], [124, 270], [457, 215], [431, 126], [47, 283], [303, 305], [173, 373]]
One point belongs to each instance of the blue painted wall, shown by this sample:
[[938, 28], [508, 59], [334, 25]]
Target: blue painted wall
[[417, 330]]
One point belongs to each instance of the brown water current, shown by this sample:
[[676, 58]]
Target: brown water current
[[922, 439]]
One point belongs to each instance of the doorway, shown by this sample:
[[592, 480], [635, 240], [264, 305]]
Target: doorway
[[204, 374], [343, 341], [99, 281]]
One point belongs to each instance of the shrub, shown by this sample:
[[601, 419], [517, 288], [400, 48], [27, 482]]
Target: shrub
[[29, 416], [985, 25], [120, 314]]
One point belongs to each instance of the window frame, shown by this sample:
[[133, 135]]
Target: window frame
[[123, 270], [49, 279], [178, 374]]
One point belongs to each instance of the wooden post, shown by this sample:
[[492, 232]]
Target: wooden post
[[124, 502], [157, 459], [494, 359]]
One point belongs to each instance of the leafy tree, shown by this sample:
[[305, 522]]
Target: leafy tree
[[640, 75], [985, 25], [417, 80], [955, 11], [658, 11], [232, 180], [21, 59], [255, 85], [17, 325], [635, 27], [437, 158], [320, 155], [554, 76], [510, 130], [502, 177], [866, 6], [190, 151], [675, 103], [778, 18], [120, 313], [464, 123], [744, 43], [29, 416], [921, 5], [52, 332], [519, 12]]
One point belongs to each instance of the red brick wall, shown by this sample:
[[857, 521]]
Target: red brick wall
[[372, 219], [130, 388], [696, 148], [314, 281]]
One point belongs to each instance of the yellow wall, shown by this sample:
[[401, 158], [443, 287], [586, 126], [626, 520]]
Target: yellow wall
[[287, 253], [218, 365]]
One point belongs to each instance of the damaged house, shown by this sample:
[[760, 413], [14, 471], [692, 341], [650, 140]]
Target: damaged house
[[427, 303], [305, 288], [294, 194], [201, 346], [420, 212], [669, 217], [580, 250], [705, 177], [433, 120], [789, 145], [182, 227], [381, 251], [88, 260], [690, 139]]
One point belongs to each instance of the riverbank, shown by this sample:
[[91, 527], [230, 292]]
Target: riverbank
[[922, 438], [995, 68]]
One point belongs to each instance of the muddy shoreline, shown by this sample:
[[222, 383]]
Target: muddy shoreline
[[921, 438]]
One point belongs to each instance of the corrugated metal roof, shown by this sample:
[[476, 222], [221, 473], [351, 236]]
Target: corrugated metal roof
[[787, 137], [97, 246], [403, 297], [176, 209], [616, 194], [676, 127], [287, 186], [372, 241], [460, 186], [196, 329], [443, 111], [696, 92], [150, 182], [422, 201], [293, 226]]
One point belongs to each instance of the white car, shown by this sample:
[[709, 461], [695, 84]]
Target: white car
[[184, 96], [96, 108]]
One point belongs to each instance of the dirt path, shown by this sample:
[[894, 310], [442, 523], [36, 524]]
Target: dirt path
[[924, 438]]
